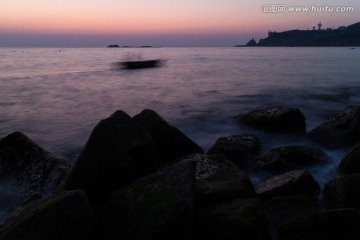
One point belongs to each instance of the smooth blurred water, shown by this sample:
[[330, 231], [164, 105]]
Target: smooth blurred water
[[57, 96]]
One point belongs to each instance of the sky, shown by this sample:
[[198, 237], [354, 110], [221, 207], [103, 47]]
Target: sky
[[175, 23]]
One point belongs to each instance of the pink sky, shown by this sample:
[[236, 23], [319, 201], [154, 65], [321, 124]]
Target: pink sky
[[216, 22]]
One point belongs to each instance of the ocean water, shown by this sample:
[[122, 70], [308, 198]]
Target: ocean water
[[57, 96]]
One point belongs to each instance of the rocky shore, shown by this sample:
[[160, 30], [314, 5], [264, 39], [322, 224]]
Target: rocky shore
[[141, 178]]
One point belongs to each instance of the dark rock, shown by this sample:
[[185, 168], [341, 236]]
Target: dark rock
[[280, 210], [343, 191], [276, 119], [297, 182], [64, 216], [341, 131], [158, 206], [239, 149], [219, 180], [350, 164], [336, 224], [32, 167], [25, 167], [170, 142], [237, 219], [117, 152], [288, 158]]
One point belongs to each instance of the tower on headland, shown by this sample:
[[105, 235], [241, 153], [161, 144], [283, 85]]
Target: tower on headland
[[319, 26]]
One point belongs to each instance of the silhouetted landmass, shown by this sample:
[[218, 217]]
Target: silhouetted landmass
[[127, 46], [343, 36], [251, 43]]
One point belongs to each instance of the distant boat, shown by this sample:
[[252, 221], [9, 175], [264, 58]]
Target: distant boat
[[141, 64]]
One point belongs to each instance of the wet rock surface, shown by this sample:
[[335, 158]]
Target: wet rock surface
[[63, 216], [29, 165], [25, 168], [288, 158], [297, 182], [342, 130], [219, 180], [240, 149], [275, 119]]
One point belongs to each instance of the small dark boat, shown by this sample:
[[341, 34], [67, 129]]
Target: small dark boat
[[140, 64]]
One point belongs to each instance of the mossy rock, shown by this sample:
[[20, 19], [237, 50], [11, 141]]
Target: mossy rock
[[240, 149], [25, 167], [293, 183], [158, 206], [289, 158], [237, 219], [219, 180], [64, 216]]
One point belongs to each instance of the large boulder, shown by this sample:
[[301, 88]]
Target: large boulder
[[25, 167], [280, 210], [275, 119], [335, 224], [288, 158], [297, 182], [170, 142], [240, 149], [158, 206], [341, 131], [117, 152], [63, 216], [350, 164], [237, 219], [219, 180], [344, 191]]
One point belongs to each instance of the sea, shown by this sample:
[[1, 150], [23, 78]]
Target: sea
[[56, 96]]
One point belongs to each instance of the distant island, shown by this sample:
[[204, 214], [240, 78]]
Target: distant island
[[117, 46], [316, 37]]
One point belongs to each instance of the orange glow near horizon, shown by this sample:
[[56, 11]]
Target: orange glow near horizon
[[129, 20]]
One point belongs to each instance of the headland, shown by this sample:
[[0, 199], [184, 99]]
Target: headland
[[316, 37]]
